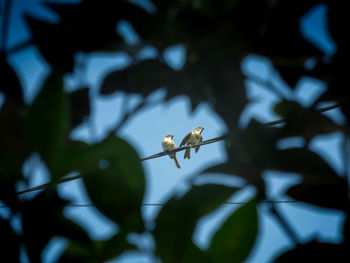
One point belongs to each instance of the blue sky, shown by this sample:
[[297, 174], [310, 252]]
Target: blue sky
[[147, 128]]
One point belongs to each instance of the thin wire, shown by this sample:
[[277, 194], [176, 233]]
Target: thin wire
[[162, 204]]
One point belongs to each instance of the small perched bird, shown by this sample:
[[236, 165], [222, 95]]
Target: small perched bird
[[192, 138], [168, 144]]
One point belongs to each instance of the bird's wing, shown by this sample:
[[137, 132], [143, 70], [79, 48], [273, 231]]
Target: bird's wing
[[184, 140], [197, 148]]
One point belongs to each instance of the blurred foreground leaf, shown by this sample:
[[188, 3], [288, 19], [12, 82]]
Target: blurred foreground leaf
[[42, 219], [315, 251], [9, 242], [113, 177], [47, 121], [99, 251], [333, 194], [178, 218], [236, 237], [305, 122]]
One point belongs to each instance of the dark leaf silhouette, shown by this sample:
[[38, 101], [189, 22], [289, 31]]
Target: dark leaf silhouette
[[100, 251], [47, 119], [315, 251], [331, 194], [9, 242], [177, 219], [14, 150], [43, 219], [93, 30], [236, 237], [304, 122], [113, 177]]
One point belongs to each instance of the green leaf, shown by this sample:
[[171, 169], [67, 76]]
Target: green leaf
[[315, 251], [112, 248], [47, 121], [9, 242], [236, 237], [99, 251], [178, 218], [113, 176], [14, 150]]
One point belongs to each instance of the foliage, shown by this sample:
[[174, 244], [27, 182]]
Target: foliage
[[216, 36]]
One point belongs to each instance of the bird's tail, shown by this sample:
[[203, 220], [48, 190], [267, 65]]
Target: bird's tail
[[176, 162], [187, 153]]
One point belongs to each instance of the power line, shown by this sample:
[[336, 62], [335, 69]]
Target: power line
[[162, 204]]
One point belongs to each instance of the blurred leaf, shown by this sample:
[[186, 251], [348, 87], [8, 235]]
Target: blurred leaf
[[94, 30], [9, 242], [53, 42], [14, 150], [139, 78], [178, 218], [80, 106], [250, 151], [304, 122], [306, 162], [333, 194], [100, 251], [10, 85], [208, 76], [315, 251], [236, 237], [112, 248], [42, 219], [194, 254], [281, 36], [113, 177], [47, 121]]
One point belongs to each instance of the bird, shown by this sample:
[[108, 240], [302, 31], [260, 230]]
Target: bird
[[168, 144], [192, 138]]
